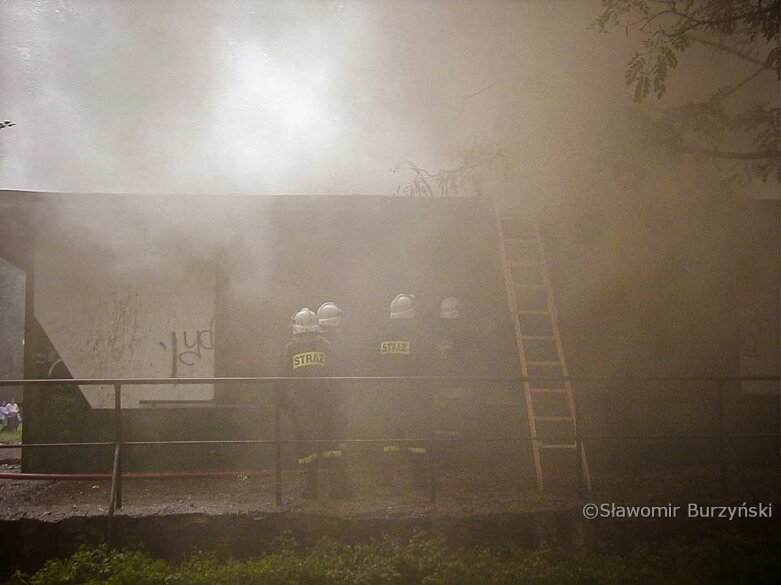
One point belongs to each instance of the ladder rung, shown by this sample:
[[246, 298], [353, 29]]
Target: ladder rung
[[543, 363], [542, 445], [539, 337], [532, 312], [548, 390], [554, 418]]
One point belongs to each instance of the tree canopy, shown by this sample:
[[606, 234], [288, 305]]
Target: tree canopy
[[735, 126], [745, 132]]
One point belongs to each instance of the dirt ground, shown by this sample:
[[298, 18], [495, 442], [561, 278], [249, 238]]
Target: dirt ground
[[374, 496], [378, 493]]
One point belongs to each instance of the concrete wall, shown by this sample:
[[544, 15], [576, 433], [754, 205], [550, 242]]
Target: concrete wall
[[119, 281], [760, 294], [129, 287], [109, 314]]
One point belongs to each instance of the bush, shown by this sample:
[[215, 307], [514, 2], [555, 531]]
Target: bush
[[424, 559]]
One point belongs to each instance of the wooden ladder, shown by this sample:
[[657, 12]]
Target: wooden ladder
[[550, 404]]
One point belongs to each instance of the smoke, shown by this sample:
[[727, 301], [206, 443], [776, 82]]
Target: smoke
[[214, 97], [284, 97], [324, 97]]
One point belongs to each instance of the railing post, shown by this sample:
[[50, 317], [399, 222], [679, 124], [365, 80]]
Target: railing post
[[118, 440], [722, 440], [432, 476], [778, 470], [428, 401], [277, 456], [579, 462], [115, 497]]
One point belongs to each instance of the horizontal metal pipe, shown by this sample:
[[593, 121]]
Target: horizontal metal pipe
[[139, 475], [304, 380], [391, 440], [36, 445]]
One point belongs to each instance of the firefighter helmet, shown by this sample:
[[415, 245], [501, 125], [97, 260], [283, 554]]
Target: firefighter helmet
[[450, 308], [329, 315], [402, 307], [305, 321]]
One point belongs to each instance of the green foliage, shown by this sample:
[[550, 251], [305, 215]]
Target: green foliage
[[12, 436], [671, 26], [747, 30], [428, 560]]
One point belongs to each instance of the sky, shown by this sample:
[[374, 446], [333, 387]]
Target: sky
[[312, 96]]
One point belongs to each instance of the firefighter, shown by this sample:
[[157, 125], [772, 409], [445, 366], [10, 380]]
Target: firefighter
[[401, 351], [329, 318], [311, 409], [450, 359]]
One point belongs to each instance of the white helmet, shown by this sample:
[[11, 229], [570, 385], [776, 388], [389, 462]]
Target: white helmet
[[402, 307], [305, 321], [450, 308], [329, 315]]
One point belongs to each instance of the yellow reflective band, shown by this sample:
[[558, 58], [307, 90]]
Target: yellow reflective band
[[395, 347], [419, 450], [307, 459], [335, 453], [308, 358], [391, 449]]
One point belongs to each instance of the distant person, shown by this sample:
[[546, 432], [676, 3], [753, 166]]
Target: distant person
[[14, 416], [401, 351], [451, 342], [3, 416], [329, 318], [310, 407]]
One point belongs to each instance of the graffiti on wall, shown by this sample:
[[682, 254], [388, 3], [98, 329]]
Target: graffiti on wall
[[186, 348]]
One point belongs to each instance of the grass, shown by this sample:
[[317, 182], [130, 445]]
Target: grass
[[12, 437], [714, 560]]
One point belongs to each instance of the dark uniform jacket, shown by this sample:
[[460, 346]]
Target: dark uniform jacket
[[342, 359], [401, 350], [450, 345], [306, 355]]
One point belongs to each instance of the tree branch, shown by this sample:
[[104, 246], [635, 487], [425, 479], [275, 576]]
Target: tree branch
[[732, 51], [735, 88], [718, 21]]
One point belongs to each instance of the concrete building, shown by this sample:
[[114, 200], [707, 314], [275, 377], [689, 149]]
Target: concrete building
[[195, 286]]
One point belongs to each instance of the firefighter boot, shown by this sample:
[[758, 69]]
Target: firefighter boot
[[340, 486], [309, 487]]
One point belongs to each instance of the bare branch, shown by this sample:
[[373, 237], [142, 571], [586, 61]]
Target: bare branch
[[735, 18], [731, 51], [735, 88]]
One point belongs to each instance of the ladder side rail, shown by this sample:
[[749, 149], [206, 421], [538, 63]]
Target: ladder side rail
[[512, 301], [560, 350]]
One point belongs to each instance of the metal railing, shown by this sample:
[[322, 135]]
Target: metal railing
[[425, 383]]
